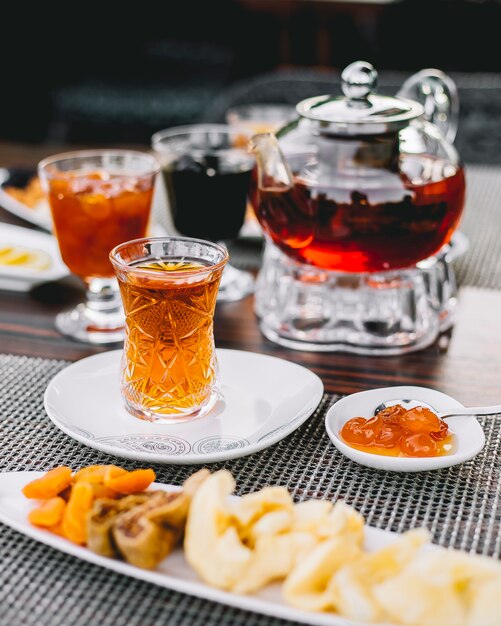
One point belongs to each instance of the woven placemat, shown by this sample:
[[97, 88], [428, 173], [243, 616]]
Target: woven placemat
[[481, 265], [40, 586]]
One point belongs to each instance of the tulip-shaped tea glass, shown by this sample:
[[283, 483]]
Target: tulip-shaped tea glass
[[98, 199], [169, 288], [207, 172]]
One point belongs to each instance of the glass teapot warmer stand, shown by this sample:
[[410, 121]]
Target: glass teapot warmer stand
[[388, 313]]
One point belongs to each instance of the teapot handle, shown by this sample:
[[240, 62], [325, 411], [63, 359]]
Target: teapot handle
[[438, 94]]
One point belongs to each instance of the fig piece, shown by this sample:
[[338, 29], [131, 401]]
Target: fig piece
[[141, 540], [102, 517]]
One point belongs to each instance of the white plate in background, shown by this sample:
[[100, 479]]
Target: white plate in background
[[38, 215], [19, 278]]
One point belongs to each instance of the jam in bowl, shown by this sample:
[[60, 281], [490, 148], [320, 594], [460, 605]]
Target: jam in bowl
[[396, 431]]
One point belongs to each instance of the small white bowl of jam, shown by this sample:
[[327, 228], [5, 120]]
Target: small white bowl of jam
[[403, 439]]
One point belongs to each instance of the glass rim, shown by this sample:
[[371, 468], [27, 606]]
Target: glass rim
[[196, 129], [97, 152], [121, 265]]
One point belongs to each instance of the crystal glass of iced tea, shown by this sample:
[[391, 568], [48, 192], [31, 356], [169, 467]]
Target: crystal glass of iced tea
[[98, 199], [169, 288]]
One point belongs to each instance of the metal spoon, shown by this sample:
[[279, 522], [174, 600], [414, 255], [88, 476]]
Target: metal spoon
[[468, 410]]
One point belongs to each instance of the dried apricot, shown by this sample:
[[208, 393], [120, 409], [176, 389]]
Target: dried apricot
[[57, 530], [132, 482], [49, 513], [92, 473], [75, 514], [112, 472], [101, 491], [49, 485]]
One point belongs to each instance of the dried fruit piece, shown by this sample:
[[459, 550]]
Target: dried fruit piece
[[111, 472], [132, 482], [92, 474], [75, 514], [65, 493], [49, 513], [99, 524], [49, 485], [147, 533], [103, 515], [101, 491], [57, 530], [140, 540]]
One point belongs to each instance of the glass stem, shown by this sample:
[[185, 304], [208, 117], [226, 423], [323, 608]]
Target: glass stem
[[103, 295]]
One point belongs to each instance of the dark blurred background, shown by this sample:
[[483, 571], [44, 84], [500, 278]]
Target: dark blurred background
[[112, 73]]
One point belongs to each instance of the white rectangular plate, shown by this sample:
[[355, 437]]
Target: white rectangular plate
[[174, 572]]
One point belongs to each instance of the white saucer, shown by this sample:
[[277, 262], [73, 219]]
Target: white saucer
[[265, 399], [470, 438]]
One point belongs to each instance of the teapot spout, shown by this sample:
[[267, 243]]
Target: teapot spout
[[273, 172]]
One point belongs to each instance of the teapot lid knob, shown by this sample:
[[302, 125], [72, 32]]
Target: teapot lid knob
[[358, 82], [359, 111]]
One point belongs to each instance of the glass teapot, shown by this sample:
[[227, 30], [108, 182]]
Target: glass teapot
[[363, 183]]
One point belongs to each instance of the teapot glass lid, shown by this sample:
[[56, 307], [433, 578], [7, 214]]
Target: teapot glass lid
[[359, 110]]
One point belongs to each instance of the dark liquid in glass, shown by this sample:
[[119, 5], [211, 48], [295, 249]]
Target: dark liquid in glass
[[208, 196], [366, 230]]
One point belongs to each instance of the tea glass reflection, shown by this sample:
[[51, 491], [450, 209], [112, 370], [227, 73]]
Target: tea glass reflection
[[207, 172], [169, 288], [98, 199]]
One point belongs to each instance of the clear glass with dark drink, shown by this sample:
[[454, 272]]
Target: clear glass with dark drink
[[207, 172]]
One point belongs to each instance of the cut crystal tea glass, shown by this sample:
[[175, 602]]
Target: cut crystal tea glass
[[169, 287]]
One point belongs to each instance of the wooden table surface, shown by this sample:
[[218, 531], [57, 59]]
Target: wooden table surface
[[465, 364]]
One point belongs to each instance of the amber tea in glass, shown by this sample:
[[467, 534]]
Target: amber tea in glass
[[169, 288], [98, 199], [94, 212]]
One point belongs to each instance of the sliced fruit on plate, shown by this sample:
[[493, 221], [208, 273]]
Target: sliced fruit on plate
[[20, 256]]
